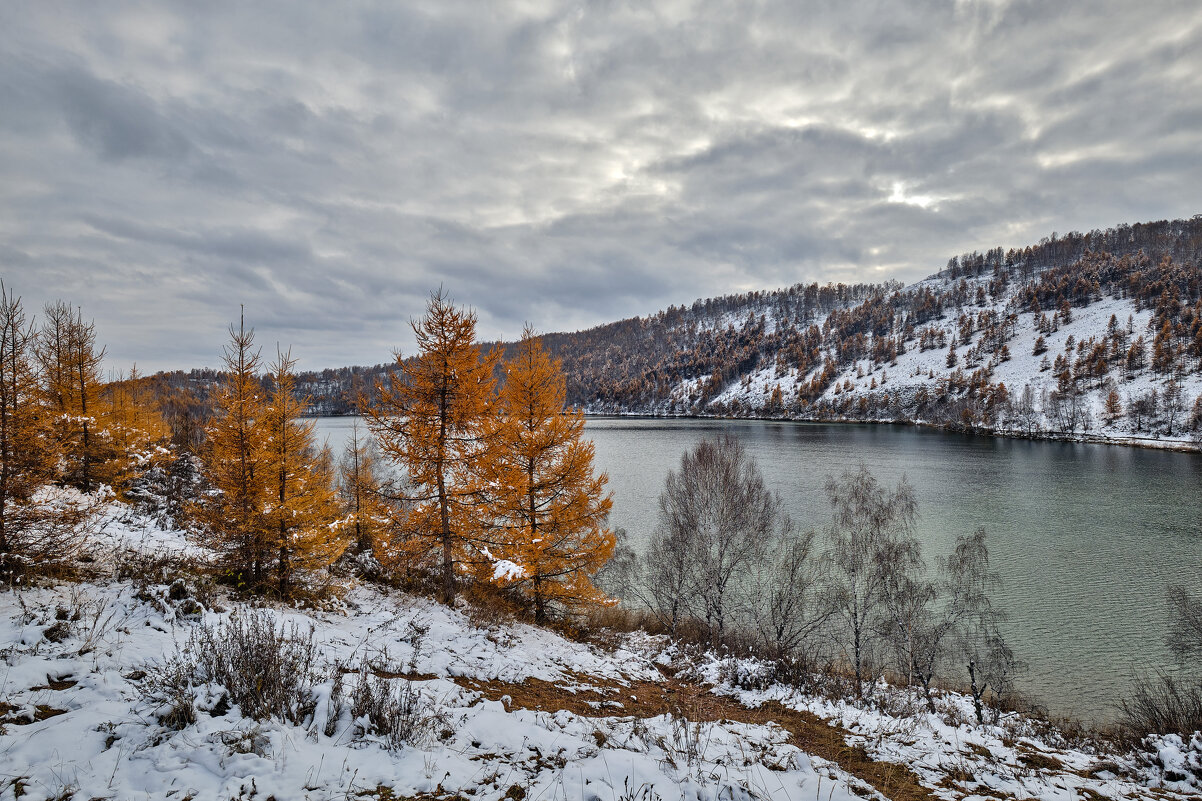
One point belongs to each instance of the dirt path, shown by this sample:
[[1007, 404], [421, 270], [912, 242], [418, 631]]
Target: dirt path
[[594, 698]]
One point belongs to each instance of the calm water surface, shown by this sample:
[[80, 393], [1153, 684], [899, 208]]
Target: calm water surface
[[1085, 537]]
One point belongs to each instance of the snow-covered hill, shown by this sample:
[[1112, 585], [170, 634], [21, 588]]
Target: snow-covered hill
[[99, 699], [1059, 340]]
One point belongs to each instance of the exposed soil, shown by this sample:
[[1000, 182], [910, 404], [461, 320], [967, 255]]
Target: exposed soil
[[41, 712], [696, 703]]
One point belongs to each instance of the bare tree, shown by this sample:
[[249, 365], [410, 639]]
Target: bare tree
[[867, 541], [1167, 702], [786, 603], [991, 663], [666, 581], [907, 596], [965, 582], [1024, 410], [1172, 404], [1185, 626], [1141, 410], [717, 519]]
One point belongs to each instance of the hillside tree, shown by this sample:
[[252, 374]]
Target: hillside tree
[[31, 533], [70, 364], [236, 466], [430, 419], [361, 485], [302, 511], [546, 501]]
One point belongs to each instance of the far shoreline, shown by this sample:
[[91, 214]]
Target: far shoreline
[[1147, 443]]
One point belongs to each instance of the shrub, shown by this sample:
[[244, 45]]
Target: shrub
[[1164, 705], [399, 716], [265, 671]]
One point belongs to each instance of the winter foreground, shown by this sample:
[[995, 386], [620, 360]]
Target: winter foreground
[[473, 706]]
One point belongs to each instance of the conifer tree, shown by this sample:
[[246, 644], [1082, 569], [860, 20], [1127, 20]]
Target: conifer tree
[[367, 515], [236, 466], [301, 510], [430, 419], [549, 505], [133, 430], [71, 367], [1113, 409], [29, 533]]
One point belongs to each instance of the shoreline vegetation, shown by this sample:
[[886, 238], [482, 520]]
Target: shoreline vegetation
[[1184, 445]]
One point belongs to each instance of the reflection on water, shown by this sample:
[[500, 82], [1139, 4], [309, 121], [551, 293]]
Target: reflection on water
[[1086, 537]]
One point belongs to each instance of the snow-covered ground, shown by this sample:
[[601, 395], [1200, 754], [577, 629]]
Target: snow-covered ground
[[78, 722]]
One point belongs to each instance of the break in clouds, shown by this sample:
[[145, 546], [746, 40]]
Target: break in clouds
[[328, 164]]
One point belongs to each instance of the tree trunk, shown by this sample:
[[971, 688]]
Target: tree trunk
[[976, 693]]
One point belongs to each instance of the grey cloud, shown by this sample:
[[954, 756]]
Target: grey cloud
[[565, 164], [117, 121]]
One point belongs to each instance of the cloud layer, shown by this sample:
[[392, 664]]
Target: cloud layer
[[328, 164]]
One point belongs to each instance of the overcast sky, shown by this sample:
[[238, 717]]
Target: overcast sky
[[327, 164]]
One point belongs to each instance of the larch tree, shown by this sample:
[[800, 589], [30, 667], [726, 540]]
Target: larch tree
[[30, 532], [547, 503], [134, 430], [360, 486], [236, 466], [430, 420], [70, 364], [301, 506], [1113, 408]]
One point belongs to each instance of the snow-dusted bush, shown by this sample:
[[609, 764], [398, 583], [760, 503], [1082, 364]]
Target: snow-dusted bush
[[1175, 759], [267, 672], [395, 711]]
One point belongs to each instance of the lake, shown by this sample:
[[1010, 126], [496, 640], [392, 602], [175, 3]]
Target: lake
[[1085, 537]]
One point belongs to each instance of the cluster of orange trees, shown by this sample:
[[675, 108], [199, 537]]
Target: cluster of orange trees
[[272, 509], [490, 478], [499, 484], [62, 428]]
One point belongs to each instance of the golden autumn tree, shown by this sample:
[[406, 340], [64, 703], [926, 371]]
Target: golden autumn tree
[[132, 428], [236, 466], [430, 420], [70, 363], [1112, 410], [549, 507], [302, 509], [361, 486], [30, 532]]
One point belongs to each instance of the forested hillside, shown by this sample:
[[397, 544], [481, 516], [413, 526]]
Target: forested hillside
[[1094, 334], [1085, 333]]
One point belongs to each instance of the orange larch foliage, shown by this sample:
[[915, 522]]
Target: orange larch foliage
[[302, 511], [236, 465], [70, 364], [361, 487], [30, 533], [132, 428], [548, 506], [430, 420]]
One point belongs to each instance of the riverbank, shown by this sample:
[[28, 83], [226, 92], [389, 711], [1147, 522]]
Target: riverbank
[[1189, 444]]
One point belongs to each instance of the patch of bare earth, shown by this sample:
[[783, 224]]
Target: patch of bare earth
[[591, 697]]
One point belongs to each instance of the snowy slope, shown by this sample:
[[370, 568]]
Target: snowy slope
[[76, 720]]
